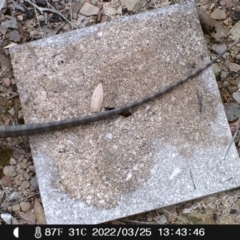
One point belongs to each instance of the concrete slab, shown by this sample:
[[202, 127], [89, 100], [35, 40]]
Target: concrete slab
[[168, 151]]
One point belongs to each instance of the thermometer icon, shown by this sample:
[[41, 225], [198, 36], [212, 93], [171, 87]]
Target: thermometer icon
[[38, 233]]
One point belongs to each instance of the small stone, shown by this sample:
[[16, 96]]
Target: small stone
[[219, 47], [24, 185], [215, 217], [109, 136], [232, 111], [216, 69], [30, 14], [162, 220], [32, 168], [26, 176], [13, 196], [199, 218], [6, 217], [20, 17], [14, 36], [13, 81], [149, 218], [223, 74], [104, 18], [3, 29], [228, 3], [218, 14], [9, 171], [89, 9], [16, 207], [233, 67], [23, 165], [6, 181], [25, 206], [41, 3], [18, 180], [77, 5], [34, 182], [12, 23], [75, 16], [233, 211], [6, 81], [17, 154], [29, 217], [235, 31], [236, 96], [226, 21], [129, 4], [12, 161], [11, 111]]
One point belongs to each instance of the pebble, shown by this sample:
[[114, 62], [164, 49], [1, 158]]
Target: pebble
[[6, 181], [30, 14], [232, 111], [20, 17], [12, 23], [41, 3], [235, 31], [17, 154], [109, 136], [14, 36], [25, 206], [16, 207], [25, 185], [6, 217], [236, 96], [129, 4], [32, 168], [34, 182], [228, 3], [13, 195], [23, 165], [11, 111], [219, 47], [233, 211], [18, 179], [6, 81], [26, 176], [162, 220], [224, 74], [9, 171], [76, 6], [12, 161], [218, 14], [216, 69], [199, 218], [233, 67], [89, 9]]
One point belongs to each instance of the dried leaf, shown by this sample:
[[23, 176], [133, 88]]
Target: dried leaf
[[10, 45], [97, 99], [212, 27], [39, 213]]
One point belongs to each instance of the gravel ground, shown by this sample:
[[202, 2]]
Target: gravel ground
[[25, 21]]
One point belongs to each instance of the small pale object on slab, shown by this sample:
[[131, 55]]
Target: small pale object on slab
[[97, 99]]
